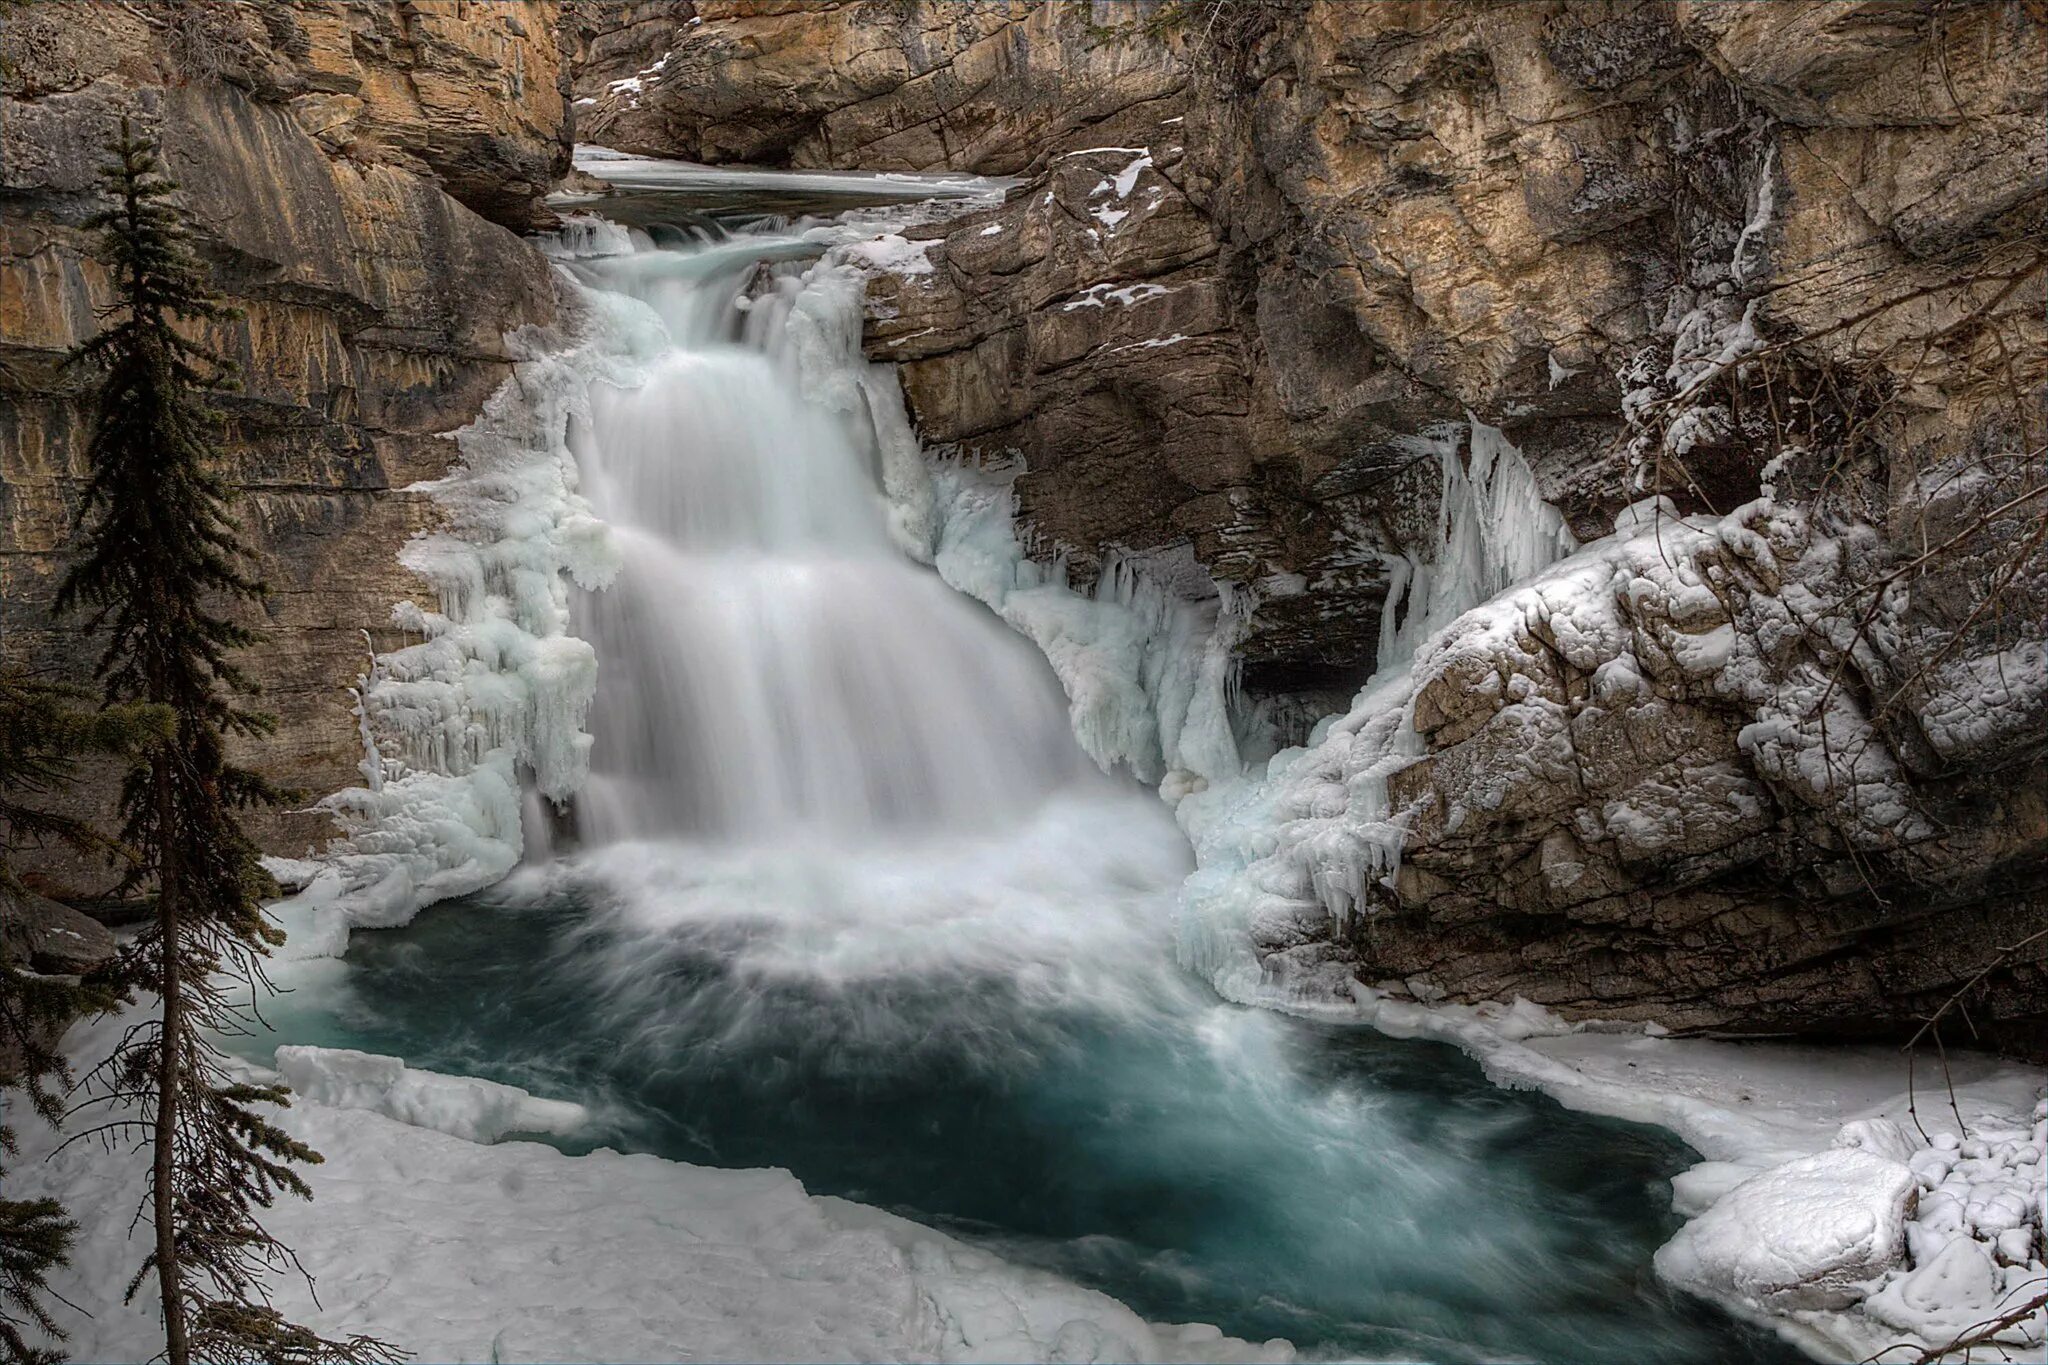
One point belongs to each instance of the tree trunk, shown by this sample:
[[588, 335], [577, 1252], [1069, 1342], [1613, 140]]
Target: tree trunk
[[168, 1271]]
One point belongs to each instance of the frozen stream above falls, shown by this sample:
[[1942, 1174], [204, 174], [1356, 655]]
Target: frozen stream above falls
[[843, 895]]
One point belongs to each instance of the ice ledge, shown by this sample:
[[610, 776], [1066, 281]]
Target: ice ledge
[[460, 1106]]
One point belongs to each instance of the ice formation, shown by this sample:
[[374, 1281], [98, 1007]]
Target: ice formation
[[495, 694], [1313, 835], [461, 1106], [1147, 671]]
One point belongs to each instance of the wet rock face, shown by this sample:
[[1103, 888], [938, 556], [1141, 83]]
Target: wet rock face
[[1251, 261], [309, 142], [465, 94], [1387, 216]]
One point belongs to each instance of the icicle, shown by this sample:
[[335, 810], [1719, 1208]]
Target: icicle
[[1318, 833]]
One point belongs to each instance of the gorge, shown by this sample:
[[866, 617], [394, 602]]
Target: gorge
[[972, 668]]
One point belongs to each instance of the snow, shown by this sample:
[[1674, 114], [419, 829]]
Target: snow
[[461, 1106], [463, 1252], [1151, 343], [1117, 185], [1806, 1234], [1126, 179], [1124, 296], [893, 254], [1865, 1247], [1978, 701]]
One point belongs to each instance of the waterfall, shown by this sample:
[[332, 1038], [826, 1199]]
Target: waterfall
[[773, 667]]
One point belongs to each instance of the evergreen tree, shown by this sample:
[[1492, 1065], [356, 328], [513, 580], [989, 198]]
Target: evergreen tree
[[160, 563], [44, 727]]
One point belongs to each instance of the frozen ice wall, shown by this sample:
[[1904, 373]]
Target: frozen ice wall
[[495, 693], [1307, 839], [1148, 672]]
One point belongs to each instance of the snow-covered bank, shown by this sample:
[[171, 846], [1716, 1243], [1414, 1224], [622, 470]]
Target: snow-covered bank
[[462, 1252]]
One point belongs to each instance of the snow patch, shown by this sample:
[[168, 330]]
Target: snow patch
[[461, 1106], [1124, 296], [892, 254]]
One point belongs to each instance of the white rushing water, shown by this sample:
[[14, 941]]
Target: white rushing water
[[774, 668], [804, 741]]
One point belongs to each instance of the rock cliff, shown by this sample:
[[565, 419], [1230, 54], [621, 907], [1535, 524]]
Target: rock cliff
[[351, 170], [1700, 251]]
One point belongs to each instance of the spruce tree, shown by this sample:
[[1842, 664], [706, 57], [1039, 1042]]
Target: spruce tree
[[44, 728], [160, 563]]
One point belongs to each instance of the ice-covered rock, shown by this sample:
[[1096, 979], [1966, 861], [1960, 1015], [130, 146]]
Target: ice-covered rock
[[1879, 1137], [1813, 1233]]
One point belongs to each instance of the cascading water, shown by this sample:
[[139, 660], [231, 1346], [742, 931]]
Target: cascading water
[[773, 667], [848, 898]]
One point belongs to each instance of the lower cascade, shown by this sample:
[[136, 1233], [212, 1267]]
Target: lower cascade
[[843, 894]]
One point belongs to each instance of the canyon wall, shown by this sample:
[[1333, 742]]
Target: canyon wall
[[355, 175], [1700, 251]]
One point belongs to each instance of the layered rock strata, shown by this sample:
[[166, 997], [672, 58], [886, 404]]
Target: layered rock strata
[[337, 161]]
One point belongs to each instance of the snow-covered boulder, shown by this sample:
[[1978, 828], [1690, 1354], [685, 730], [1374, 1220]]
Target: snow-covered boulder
[[1810, 1234]]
